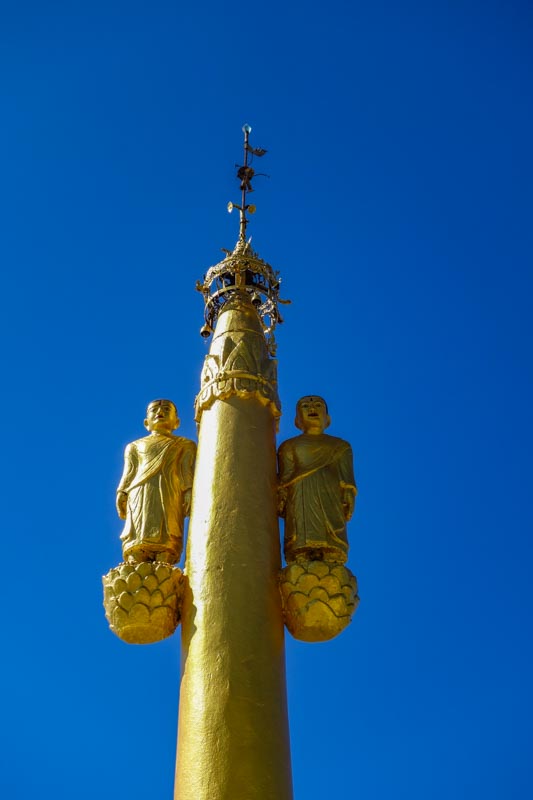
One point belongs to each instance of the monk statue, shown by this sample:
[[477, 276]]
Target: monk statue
[[154, 495], [316, 487]]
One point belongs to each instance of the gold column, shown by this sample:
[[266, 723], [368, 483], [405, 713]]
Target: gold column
[[233, 733], [233, 738]]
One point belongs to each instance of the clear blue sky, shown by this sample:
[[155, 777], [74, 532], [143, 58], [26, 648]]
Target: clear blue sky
[[398, 210]]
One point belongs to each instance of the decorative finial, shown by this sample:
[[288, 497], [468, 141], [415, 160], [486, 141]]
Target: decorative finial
[[245, 173], [242, 272]]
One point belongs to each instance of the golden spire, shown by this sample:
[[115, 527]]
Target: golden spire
[[233, 597], [245, 173], [242, 270], [233, 732]]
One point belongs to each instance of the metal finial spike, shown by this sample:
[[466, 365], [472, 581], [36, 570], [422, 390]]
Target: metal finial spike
[[242, 273], [245, 174]]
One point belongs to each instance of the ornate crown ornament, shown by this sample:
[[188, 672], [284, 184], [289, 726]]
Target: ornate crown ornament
[[242, 270]]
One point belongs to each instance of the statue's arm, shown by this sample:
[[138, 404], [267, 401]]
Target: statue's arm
[[348, 501], [122, 504], [130, 467], [188, 460], [286, 464], [282, 501], [348, 485]]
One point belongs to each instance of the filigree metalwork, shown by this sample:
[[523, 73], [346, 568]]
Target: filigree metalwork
[[243, 270]]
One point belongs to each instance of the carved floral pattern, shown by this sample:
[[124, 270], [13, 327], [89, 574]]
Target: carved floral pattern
[[142, 600], [319, 599]]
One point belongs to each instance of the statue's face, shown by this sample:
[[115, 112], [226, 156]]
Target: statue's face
[[161, 416], [312, 414]]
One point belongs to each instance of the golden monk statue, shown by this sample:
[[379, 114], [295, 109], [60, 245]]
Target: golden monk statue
[[316, 487], [154, 495]]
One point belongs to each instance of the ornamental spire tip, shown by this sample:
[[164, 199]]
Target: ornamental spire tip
[[245, 173], [242, 273]]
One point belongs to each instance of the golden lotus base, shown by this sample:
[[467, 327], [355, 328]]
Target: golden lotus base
[[142, 601], [319, 599]]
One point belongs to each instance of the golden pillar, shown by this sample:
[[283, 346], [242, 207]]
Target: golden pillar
[[233, 598], [233, 739], [233, 732]]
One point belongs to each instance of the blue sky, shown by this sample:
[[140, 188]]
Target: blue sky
[[398, 210]]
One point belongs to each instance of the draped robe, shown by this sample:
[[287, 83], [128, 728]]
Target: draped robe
[[158, 470], [314, 472]]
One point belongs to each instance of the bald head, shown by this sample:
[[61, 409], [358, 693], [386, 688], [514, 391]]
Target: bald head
[[312, 414], [161, 417]]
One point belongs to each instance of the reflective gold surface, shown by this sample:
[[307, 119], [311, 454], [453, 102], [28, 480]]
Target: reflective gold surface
[[233, 597], [141, 601], [233, 739], [242, 269], [316, 496], [316, 487], [319, 599], [154, 493], [238, 363]]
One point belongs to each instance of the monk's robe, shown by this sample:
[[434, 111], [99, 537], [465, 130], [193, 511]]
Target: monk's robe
[[157, 471], [314, 472]]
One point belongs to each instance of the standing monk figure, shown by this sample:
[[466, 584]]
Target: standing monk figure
[[316, 487], [154, 495]]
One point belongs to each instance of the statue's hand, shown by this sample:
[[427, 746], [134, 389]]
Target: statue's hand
[[122, 504], [348, 503], [187, 497], [282, 501]]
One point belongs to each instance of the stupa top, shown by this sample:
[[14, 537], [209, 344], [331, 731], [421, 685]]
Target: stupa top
[[242, 270]]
